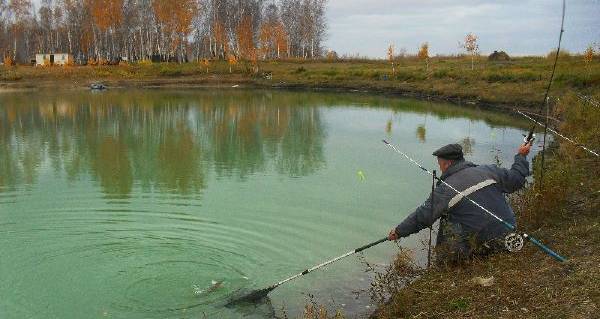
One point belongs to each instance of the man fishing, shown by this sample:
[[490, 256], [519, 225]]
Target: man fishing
[[465, 229]]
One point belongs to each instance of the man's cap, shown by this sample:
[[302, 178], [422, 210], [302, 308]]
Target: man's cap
[[450, 152]]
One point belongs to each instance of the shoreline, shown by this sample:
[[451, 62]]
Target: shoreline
[[189, 83]]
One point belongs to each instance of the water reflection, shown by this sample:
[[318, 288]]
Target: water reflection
[[167, 141]]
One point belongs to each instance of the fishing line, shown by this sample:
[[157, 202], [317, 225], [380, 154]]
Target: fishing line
[[564, 137], [588, 100], [507, 225]]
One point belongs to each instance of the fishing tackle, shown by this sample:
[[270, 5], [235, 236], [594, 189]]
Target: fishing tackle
[[507, 225], [530, 135], [258, 295], [514, 242], [564, 137]]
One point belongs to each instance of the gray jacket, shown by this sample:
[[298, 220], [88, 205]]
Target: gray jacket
[[485, 185]]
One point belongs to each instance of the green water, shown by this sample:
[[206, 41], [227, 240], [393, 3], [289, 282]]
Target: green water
[[129, 204]]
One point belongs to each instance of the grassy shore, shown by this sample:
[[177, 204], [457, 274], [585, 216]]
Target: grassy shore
[[521, 81], [563, 212], [561, 209]]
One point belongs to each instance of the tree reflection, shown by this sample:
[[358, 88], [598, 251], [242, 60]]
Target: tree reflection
[[421, 133], [112, 166], [168, 141], [467, 145], [179, 161]]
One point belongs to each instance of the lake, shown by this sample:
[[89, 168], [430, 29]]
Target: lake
[[132, 203]]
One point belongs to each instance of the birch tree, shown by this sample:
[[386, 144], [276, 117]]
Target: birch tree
[[163, 29], [472, 47], [424, 55]]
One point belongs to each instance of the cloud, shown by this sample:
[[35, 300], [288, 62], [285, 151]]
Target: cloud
[[520, 27]]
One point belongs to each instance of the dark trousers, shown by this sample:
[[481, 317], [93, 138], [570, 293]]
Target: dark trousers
[[454, 245]]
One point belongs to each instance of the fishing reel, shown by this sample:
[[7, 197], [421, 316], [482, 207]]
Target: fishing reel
[[514, 242], [529, 138]]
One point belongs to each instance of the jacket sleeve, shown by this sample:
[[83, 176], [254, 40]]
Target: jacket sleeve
[[513, 179], [424, 216]]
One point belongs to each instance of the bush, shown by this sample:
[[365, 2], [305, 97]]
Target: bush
[[565, 165], [563, 54], [8, 61], [168, 70], [442, 73], [300, 70], [331, 72], [145, 62]]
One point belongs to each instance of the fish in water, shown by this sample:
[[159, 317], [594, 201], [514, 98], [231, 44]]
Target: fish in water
[[214, 285]]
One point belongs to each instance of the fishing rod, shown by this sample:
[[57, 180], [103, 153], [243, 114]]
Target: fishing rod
[[531, 136], [564, 137], [260, 294], [513, 242]]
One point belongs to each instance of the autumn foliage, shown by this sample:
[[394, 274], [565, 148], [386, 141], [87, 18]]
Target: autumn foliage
[[588, 55], [424, 54], [8, 61], [232, 60], [273, 40], [390, 55], [245, 38], [472, 47], [162, 30], [106, 13]]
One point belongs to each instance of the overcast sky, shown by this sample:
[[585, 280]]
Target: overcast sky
[[523, 27], [520, 27]]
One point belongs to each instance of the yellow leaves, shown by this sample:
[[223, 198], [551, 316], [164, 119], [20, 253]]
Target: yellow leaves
[[273, 39], [232, 60], [471, 43], [390, 54], [106, 13], [205, 63], [424, 54], [219, 34], [424, 51], [588, 55], [175, 16], [145, 62], [471, 46], [8, 61], [245, 37]]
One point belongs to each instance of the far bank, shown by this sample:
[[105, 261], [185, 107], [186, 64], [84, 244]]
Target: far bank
[[520, 82]]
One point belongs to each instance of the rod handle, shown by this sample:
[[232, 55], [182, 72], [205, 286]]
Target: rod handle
[[545, 248], [367, 246]]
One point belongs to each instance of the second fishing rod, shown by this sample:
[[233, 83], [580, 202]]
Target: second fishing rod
[[514, 240]]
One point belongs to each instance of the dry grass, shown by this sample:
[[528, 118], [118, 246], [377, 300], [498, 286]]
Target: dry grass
[[521, 80], [563, 213]]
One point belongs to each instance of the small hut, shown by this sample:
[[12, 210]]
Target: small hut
[[53, 59], [499, 56]]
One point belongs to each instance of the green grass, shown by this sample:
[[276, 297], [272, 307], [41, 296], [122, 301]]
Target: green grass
[[521, 81]]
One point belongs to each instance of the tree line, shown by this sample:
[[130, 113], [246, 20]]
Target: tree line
[[164, 30]]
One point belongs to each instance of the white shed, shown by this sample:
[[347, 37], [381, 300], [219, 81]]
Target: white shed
[[53, 59]]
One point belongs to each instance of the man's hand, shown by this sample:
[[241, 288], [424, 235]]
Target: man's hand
[[524, 149], [393, 236]]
